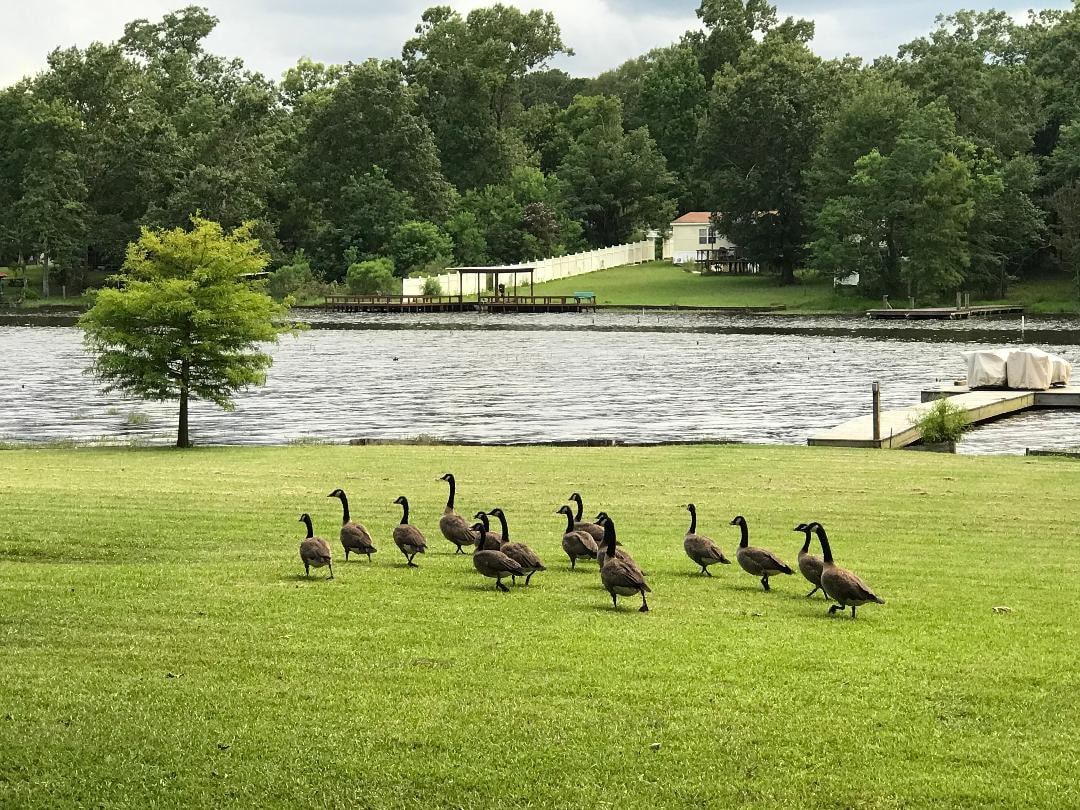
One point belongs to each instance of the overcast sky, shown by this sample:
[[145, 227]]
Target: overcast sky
[[270, 35]]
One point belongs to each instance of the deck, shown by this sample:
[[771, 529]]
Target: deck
[[898, 426], [454, 303], [942, 313]]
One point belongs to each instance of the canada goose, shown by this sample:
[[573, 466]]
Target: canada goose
[[699, 548], [314, 551], [595, 530], [757, 561], [619, 577], [491, 540], [842, 586], [519, 552], [810, 564], [492, 563], [576, 543], [453, 526], [408, 538], [354, 537], [621, 553]]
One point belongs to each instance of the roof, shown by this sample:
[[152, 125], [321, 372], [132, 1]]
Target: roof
[[694, 218], [502, 269]]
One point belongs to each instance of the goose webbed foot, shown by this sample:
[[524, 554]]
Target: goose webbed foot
[[346, 555], [853, 611], [644, 605], [614, 601], [369, 557], [411, 563], [459, 551], [499, 586], [307, 570], [835, 608], [573, 563], [705, 570], [765, 583]]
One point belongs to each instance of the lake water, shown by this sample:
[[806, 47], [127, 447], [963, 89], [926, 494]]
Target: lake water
[[505, 379]]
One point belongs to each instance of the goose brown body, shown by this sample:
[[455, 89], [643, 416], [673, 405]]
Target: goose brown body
[[701, 549], [810, 565], [520, 553], [842, 585], [618, 577], [409, 539], [757, 561], [354, 537], [576, 543], [314, 551], [493, 563], [594, 530], [452, 525], [620, 553]]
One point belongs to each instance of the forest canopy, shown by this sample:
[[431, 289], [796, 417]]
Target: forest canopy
[[945, 166]]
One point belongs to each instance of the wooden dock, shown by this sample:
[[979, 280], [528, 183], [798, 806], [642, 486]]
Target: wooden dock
[[982, 405], [942, 313], [454, 303]]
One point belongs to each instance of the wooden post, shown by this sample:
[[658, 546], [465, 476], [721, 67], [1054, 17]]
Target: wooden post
[[959, 300], [877, 413]]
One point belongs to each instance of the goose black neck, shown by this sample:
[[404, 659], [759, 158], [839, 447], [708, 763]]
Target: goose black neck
[[609, 537], [823, 538], [569, 521], [453, 490], [307, 522], [806, 545], [505, 528], [344, 507], [404, 512], [580, 507], [482, 538], [744, 531], [693, 521]]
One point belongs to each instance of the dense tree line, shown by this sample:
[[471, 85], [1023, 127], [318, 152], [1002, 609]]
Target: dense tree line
[[954, 164]]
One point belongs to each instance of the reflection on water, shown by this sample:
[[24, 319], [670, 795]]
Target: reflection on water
[[524, 384]]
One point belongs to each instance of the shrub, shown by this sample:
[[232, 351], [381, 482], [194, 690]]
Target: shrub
[[373, 277], [943, 423], [419, 245], [289, 279], [432, 286]]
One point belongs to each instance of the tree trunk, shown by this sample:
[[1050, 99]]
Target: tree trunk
[[182, 430], [787, 271], [45, 275]]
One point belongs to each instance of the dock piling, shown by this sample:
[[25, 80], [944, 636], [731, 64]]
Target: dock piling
[[877, 412]]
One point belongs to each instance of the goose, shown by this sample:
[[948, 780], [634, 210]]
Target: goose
[[453, 526], [354, 537], [621, 553], [757, 561], [841, 585], [619, 577], [407, 537], [810, 564], [576, 543], [519, 552], [492, 563], [595, 530], [314, 551], [491, 540], [699, 548]]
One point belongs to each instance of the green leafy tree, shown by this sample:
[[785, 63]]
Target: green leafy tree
[[186, 322], [291, 278], [472, 71], [372, 277], [420, 246], [1066, 202], [615, 182], [764, 122]]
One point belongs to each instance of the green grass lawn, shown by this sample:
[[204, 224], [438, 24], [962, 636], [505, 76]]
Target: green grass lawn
[[162, 648], [664, 284]]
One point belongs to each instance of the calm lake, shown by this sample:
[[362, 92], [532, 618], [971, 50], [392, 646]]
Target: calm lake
[[643, 377]]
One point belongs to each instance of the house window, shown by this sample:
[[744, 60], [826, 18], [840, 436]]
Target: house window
[[706, 236]]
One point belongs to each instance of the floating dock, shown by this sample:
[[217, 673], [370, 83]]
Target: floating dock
[[898, 426], [942, 313], [454, 303]]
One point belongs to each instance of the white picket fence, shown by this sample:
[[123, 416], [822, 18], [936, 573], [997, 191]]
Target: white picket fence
[[543, 270]]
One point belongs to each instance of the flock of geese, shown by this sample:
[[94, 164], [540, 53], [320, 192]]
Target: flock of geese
[[496, 556]]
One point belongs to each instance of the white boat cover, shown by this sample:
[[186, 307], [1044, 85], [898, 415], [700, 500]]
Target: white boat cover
[[1062, 370], [987, 369], [1030, 370]]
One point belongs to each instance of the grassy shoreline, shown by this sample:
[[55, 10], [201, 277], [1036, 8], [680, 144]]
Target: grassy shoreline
[[161, 646]]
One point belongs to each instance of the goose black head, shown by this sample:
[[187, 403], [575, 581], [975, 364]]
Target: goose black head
[[496, 512], [401, 500], [479, 528], [602, 518], [337, 493], [691, 508], [738, 521], [802, 527], [446, 477], [480, 516], [575, 496], [304, 518], [564, 510]]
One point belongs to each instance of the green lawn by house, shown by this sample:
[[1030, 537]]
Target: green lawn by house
[[159, 645]]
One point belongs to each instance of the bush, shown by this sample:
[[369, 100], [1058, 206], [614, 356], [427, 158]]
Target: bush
[[432, 286], [420, 245], [943, 423], [289, 279], [373, 277]]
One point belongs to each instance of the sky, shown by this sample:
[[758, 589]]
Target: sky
[[270, 35]]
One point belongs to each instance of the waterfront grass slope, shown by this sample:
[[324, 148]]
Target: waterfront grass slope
[[160, 645]]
